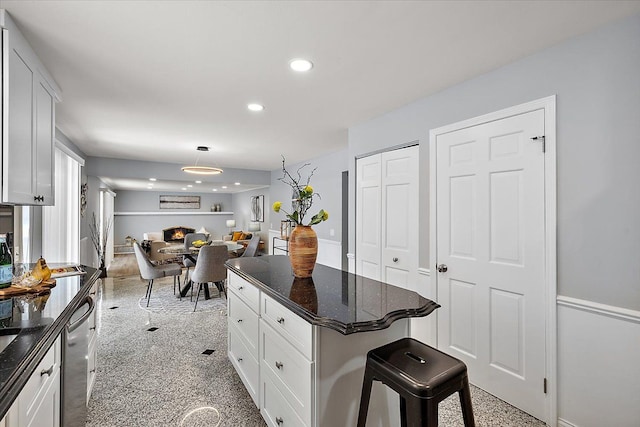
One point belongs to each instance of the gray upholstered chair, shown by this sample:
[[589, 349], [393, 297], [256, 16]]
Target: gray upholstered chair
[[252, 247], [189, 238], [151, 272], [210, 268], [156, 257]]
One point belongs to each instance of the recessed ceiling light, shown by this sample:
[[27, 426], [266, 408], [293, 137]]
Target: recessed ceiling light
[[255, 107], [237, 183], [198, 182], [190, 186], [224, 186], [152, 179], [215, 189], [184, 188], [300, 65]]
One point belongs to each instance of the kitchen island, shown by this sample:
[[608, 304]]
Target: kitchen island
[[32, 325], [300, 345]]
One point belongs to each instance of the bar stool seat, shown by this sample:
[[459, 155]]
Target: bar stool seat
[[422, 376]]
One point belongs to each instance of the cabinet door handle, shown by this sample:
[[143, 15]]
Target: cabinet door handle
[[279, 420], [239, 320], [47, 372], [240, 288], [93, 328], [239, 359], [92, 371], [280, 320], [279, 365]]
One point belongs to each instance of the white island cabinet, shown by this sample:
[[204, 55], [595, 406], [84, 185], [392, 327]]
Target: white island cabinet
[[29, 95], [38, 404], [303, 361]]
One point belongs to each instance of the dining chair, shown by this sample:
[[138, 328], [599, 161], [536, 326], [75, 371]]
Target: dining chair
[[252, 247], [156, 257], [189, 238], [150, 272], [210, 268]]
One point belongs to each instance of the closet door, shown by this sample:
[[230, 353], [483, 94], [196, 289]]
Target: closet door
[[399, 207], [368, 214], [387, 217]]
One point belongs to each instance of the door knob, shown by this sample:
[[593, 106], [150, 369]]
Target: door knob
[[395, 259], [442, 268]]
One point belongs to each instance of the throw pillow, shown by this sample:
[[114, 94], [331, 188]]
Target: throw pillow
[[236, 236]]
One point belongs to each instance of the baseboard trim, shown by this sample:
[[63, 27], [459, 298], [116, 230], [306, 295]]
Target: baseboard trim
[[565, 423], [619, 313]]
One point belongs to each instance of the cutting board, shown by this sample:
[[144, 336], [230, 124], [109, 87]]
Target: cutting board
[[14, 290]]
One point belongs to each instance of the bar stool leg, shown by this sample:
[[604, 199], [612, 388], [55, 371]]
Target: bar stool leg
[[422, 413], [364, 398], [465, 403], [403, 412]]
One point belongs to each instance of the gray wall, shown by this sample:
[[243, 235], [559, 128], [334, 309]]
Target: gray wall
[[596, 80], [148, 201], [241, 203], [326, 181]]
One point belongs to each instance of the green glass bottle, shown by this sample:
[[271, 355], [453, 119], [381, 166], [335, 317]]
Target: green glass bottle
[[6, 263]]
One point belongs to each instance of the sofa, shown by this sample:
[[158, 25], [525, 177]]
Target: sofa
[[240, 237]]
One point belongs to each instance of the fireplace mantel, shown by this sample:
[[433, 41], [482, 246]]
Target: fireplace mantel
[[170, 213]]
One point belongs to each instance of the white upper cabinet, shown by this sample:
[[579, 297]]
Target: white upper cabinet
[[29, 96]]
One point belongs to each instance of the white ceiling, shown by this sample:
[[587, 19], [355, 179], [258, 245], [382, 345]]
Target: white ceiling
[[152, 80]]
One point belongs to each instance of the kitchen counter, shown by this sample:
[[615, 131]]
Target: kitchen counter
[[332, 298], [38, 320]]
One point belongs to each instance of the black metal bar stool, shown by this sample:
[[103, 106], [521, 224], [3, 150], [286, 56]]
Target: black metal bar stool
[[422, 376]]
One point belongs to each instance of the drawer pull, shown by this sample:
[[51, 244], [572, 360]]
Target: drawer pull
[[93, 328], [47, 372], [279, 420], [239, 359], [240, 288], [280, 320], [92, 371], [279, 365], [239, 320]]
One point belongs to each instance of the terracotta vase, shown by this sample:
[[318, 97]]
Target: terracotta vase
[[303, 292], [303, 250]]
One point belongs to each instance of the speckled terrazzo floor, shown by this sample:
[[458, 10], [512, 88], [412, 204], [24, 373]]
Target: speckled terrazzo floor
[[161, 378]]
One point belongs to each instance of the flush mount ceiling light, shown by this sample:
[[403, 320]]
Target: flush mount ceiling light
[[202, 170], [300, 65], [152, 179], [255, 107]]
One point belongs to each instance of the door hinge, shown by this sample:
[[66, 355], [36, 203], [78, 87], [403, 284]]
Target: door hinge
[[541, 139], [545, 386]]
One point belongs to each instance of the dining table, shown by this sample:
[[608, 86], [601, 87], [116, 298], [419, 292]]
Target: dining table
[[192, 254]]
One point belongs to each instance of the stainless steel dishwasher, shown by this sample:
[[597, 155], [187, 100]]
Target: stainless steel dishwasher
[[75, 352]]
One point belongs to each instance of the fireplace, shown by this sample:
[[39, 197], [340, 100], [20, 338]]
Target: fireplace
[[176, 234]]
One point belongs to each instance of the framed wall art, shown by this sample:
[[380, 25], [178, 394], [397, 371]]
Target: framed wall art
[[179, 202], [257, 208]]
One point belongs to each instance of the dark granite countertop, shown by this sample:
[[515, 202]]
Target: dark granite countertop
[[38, 319], [332, 298]]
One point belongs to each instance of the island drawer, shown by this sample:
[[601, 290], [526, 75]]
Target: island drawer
[[245, 321], [275, 409], [244, 362], [246, 291], [289, 369], [293, 327]]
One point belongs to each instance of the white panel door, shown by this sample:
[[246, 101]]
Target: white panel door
[[368, 247], [490, 235], [399, 169]]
